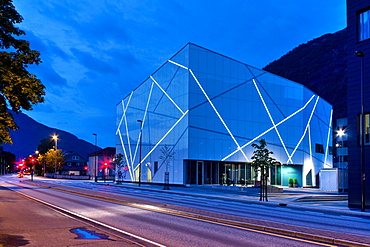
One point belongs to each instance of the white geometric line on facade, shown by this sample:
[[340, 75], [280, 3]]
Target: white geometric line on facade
[[124, 153], [124, 109], [307, 126], [310, 142], [165, 93], [128, 140], [271, 128], [178, 121], [127, 133], [182, 66], [271, 119], [219, 116], [129, 164], [142, 124], [214, 108], [121, 120], [328, 139]]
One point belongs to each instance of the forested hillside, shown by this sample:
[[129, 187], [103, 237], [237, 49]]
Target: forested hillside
[[320, 65]]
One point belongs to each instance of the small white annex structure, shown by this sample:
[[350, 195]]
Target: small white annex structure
[[329, 179]]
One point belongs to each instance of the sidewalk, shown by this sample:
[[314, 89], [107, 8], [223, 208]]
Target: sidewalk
[[310, 198]]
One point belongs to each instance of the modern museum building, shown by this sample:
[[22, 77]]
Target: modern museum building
[[197, 116]]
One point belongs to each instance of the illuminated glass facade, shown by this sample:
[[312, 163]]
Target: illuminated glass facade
[[206, 110]]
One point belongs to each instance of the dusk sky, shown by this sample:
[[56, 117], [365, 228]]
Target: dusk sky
[[96, 52]]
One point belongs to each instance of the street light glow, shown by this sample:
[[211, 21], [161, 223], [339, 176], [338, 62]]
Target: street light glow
[[341, 132], [55, 138]]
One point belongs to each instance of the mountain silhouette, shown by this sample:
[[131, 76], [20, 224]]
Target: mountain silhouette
[[30, 133], [320, 65]]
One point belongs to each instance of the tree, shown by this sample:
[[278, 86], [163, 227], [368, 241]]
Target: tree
[[18, 88], [45, 145], [261, 161], [120, 163], [167, 156], [53, 160]]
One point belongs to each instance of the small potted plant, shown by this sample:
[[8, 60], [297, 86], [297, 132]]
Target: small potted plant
[[295, 182], [290, 182]]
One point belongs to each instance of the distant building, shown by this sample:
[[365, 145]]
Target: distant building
[[100, 163], [198, 114], [358, 27], [74, 164]]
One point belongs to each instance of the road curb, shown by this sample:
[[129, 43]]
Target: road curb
[[249, 225], [256, 201]]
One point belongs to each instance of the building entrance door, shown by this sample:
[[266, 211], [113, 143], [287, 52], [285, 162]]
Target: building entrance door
[[200, 172]]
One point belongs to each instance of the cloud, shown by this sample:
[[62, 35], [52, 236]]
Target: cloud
[[95, 52], [105, 27], [123, 57], [49, 76], [48, 52], [93, 63]]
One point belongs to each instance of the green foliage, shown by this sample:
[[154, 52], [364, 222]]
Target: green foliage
[[119, 160], [45, 145], [290, 180], [18, 88], [295, 181], [261, 158], [53, 158], [167, 156]]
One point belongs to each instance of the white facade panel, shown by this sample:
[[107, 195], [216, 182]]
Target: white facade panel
[[202, 106]]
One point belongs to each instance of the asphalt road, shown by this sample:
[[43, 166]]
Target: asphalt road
[[240, 206], [24, 222], [161, 224]]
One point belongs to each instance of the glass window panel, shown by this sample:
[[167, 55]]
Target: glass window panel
[[364, 25]]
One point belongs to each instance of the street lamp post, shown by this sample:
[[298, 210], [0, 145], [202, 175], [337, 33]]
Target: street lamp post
[[361, 55], [140, 139], [32, 164], [55, 137], [95, 156], [340, 134]]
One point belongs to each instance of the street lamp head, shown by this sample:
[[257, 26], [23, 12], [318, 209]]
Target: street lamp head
[[140, 121], [55, 137], [359, 53], [341, 132], [95, 134]]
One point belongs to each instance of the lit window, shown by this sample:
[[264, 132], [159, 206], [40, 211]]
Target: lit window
[[75, 158], [364, 25], [366, 129]]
